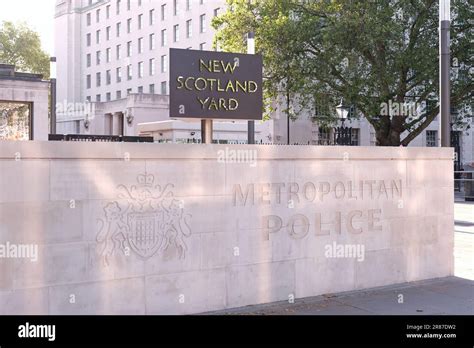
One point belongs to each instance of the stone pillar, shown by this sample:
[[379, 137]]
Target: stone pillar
[[118, 123], [108, 124]]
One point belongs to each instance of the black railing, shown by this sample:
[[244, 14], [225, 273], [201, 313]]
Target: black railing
[[100, 138], [464, 184], [343, 136]]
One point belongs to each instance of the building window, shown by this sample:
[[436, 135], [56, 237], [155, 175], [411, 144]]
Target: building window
[[352, 112], [108, 77], [163, 12], [373, 138], [140, 70], [97, 36], [163, 88], [140, 45], [108, 96], [129, 72], [118, 6], [77, 126], [119, 26], [216, 11], [118, 95], [323, 136], [97, 79], [119, 74], [139, 3], [107, 12], [129, 49], [88, 40], [152, 42], [97, 98], [152, 17], [88, 98], [175, 7], [129, 5], [202, 23], [129, 25], [89, 60], [321, 107], [201, 2], [97, 58], [202, 45], [118, 52], [164, 65], [107, 33], [176, 33], [108, 55], [163, 38], [152, 66], [355, 137], [189, 28], [140, 89], [97, 16], [140, 21], [152, 89], [129, 91], [431, 138], [89, 20], [188, 5], [88, 82]]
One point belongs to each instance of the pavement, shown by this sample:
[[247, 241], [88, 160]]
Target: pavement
[[463, 239], [450, 295]]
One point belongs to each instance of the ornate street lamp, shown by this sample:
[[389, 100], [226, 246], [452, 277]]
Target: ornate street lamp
[[342, 111], [342, 134]]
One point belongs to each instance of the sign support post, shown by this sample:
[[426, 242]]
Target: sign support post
[[251, 124], [206, 131]]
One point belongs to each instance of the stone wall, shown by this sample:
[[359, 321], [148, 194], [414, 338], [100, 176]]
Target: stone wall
[[177, 229]]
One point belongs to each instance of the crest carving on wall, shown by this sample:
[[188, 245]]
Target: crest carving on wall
[[146, 219]]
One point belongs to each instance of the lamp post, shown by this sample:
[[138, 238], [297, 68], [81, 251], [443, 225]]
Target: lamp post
[[251, 124], [444, 72], [53, 94], [343, 134]]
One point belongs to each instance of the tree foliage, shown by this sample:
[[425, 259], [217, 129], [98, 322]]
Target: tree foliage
[[368, 53], [21, 46]]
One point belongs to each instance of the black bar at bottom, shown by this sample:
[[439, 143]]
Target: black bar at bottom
[[292, 330]]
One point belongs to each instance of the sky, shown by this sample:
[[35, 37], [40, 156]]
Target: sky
[[38, 14]]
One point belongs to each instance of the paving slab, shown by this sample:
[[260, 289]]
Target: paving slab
[[450, 295]]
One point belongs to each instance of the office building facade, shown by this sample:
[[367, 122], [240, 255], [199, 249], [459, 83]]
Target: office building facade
[[108, 50], [113, 71]]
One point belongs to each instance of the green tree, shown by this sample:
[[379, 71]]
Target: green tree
[[371, 54], [21, 46]]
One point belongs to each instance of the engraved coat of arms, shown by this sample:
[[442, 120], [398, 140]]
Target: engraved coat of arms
[[146, 219]]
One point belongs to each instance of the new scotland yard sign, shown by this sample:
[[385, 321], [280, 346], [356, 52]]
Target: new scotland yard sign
[[215, 85]]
